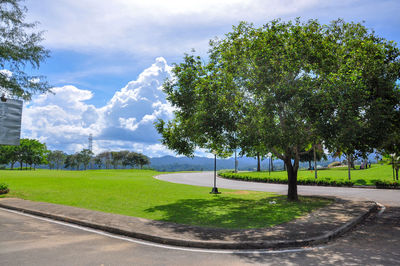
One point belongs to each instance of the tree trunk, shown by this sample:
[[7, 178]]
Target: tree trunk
[[397, 173], [12, 166], [236, 162], [258, 162], [315, 164], [292, 181], [21, 165], [309, 164], [349, 165]]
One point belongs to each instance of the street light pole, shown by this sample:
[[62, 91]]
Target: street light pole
[[269, 163], [215, 189]]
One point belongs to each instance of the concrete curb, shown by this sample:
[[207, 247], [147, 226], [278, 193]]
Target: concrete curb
[[268, 244]]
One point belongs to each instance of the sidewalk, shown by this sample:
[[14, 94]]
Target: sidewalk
[[315, 228]]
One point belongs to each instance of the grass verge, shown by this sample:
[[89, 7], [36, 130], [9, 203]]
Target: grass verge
[[335, 176], [137, 193]]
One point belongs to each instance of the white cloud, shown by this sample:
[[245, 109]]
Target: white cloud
[[129, 123], [64, 120], [6, 73], [149, 27], [170, 28]]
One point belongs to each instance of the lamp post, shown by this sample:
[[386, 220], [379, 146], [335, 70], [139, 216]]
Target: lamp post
[[215, 189], [269, 162]]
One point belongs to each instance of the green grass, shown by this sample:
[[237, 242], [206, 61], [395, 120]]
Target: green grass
[[366, 177], [137, 193]]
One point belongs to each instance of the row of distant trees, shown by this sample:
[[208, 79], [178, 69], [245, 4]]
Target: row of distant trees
[[108, 159], [31, 153]]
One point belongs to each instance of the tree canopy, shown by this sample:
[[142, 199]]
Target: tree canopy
[[283, 87], [30, 151], [20, 49]]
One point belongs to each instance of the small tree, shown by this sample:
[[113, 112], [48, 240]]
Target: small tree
[[85, 156], [98, 161], [131, 159], [122, 155], [143, 160], [9, 155], [56, 159], [105, 158], [36, 153], [308, 156], [72, 161]]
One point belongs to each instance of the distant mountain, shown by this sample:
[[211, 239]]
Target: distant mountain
[[171, 163]]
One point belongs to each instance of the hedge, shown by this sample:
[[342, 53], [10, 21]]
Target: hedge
[[277, 180]]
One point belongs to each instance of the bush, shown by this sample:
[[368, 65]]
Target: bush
[[277, 180], [3, 188], [387, 184]]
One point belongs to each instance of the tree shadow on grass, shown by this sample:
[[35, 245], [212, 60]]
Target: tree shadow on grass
[[230, 218], [230, 212], [205, 216]]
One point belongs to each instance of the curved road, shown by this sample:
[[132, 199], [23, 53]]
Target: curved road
[[388, 197]]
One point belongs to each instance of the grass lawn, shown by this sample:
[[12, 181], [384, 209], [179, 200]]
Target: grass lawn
[[360, 177], [137, 193]]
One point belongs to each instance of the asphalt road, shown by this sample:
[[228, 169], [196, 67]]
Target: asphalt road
[[206, 179], [31, 241], [26, 240]]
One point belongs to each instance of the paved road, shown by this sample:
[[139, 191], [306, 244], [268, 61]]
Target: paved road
[[206, 179], [30, 241]]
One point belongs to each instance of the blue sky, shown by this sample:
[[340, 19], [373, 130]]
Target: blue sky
[[109, 58]]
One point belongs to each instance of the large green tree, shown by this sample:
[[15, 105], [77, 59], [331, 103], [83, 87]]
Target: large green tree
[[279, 69], [286, 86], [20, 50]]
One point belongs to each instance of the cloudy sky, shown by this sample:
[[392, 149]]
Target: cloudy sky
[[109, 59]]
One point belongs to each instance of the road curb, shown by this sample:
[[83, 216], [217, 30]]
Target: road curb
[[269, 244]]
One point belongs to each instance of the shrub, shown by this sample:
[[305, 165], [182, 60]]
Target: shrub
[[3, 188], [387, 184], [303, 181]]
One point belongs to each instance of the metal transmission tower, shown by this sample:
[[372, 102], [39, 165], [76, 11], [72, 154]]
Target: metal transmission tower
[[91, 142]]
